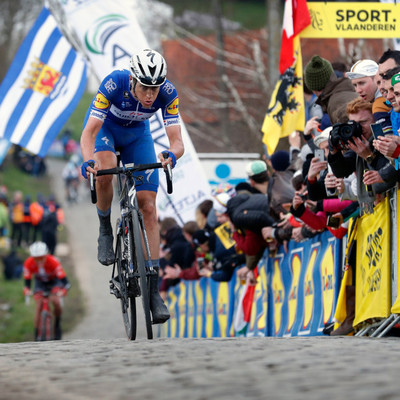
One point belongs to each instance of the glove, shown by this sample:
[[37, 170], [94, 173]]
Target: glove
[[62, 292], [171, 155], [88, 163], [27, 291]]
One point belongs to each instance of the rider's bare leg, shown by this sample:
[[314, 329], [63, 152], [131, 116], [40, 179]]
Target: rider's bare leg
[[104, 189], [147, 205]]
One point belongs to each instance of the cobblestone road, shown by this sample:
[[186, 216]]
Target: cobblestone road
[[97, 362]]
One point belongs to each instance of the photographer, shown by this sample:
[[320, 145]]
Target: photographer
[[355, 138]]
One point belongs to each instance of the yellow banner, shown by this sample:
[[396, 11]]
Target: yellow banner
[[285, 113], [353, 20], [373, 292], [396, 305]]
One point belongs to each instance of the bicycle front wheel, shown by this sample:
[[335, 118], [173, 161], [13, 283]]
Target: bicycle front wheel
[[128, 301], [45, 329], [139, 262]]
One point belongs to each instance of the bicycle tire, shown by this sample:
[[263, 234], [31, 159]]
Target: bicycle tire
[[45, 328], [139, 262], [128, 303]]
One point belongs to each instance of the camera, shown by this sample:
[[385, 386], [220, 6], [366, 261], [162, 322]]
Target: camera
[[303, 197], [341, 134]]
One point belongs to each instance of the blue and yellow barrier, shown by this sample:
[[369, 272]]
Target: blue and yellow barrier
[[295, 295]]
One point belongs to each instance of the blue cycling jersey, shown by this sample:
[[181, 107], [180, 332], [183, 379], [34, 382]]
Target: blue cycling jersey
[[114, 102]]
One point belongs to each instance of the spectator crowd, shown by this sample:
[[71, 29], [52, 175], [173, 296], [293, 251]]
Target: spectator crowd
[[337, 169]]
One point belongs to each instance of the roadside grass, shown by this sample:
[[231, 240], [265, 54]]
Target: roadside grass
[[16, 318]]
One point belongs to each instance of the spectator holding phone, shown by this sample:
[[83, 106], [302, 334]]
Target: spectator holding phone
[[356, 136]]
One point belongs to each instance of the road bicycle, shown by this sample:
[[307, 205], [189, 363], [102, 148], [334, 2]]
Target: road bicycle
[[45, 326], [130, 276]]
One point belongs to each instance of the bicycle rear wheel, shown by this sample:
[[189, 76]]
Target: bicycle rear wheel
[[139, 262], [128, 302]]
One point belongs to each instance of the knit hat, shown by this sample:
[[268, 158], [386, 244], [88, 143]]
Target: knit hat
[[363, 68], [323, 136], [220, 202], [200, 237], [280, 160], [317, 73]]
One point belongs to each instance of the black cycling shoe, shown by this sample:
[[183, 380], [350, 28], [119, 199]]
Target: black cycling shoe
[[105, 251], [159, 310]]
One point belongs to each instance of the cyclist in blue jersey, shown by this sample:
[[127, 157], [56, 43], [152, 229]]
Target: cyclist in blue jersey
[[118, 119]]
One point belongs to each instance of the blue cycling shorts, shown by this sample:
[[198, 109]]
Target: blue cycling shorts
[[135, 145]]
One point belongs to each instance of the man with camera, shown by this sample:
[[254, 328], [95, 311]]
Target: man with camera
[[351, 150]]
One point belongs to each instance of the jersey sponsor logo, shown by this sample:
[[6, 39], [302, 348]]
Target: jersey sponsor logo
[[126, 104], [98, 115], [168, 87], [110, 85], [126, 94], [173, 108], [105, 139], [130, 115], [101, 102], [172, 121]]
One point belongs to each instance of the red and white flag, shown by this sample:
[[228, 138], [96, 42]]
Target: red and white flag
[[296, 17], [245, 304]]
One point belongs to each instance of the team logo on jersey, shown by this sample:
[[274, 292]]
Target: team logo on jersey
[[126, 94], [173, 108], [101, 102]]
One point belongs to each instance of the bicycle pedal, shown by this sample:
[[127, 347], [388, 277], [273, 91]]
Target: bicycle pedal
[[114, 291]]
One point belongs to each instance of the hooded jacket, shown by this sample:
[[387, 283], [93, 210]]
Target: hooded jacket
[[334, 98]]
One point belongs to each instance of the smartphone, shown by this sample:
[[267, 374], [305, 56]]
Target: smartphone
[[333, 222], [377, 130], [320, 154]]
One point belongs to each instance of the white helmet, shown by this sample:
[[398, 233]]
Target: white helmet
[[38, 249], [148, 67]]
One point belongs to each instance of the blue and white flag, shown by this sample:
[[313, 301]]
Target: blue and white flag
[[42, 87]]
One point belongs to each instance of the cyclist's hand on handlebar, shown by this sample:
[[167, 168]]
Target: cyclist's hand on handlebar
[[167, 157], [62, 292], [87, 167]]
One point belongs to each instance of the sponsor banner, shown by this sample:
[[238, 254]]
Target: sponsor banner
[[353, 20], [373, 295], [295, 295], [42, 87], [109, 34], [396, 305]]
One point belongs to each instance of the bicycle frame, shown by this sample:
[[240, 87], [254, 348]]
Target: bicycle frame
[[132, 247], [45, 330]]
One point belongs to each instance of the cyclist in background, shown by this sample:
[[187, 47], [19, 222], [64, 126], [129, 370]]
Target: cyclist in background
[[118, 118], [49, 276], [70, 174]]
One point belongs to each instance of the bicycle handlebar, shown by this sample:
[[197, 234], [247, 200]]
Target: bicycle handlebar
[[131, 169]]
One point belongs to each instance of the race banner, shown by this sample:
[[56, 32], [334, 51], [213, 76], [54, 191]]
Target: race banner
[[373, 293], [295, 295], [351, 20], [396, 305], [109, 33], [285, 112], [42, 87]]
